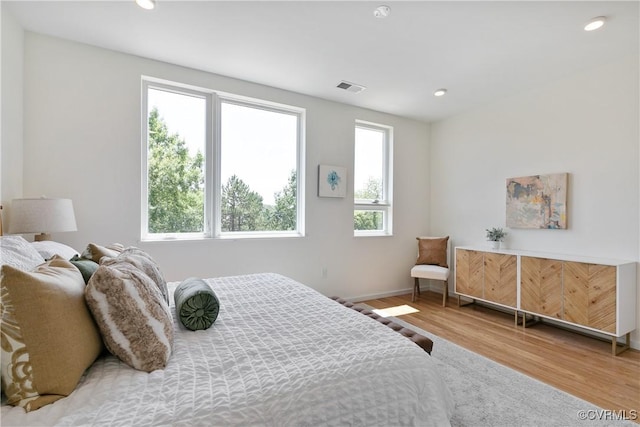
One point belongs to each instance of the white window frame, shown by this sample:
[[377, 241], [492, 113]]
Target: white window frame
[[300, 155], [213, 186], [151, 83], [385, 204]]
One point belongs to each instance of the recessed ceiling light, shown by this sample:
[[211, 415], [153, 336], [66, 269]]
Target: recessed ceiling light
[[595, 23], [382, 11], [146, 4], [440, 92]]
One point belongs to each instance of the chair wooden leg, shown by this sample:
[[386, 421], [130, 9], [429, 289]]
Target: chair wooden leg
[[445, 293], [416, 288]]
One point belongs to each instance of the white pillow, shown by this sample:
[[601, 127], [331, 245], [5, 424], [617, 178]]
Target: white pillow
[[49, 248], [18, 253]]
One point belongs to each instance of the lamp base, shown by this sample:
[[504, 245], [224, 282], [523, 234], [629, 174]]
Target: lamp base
[[42, 237]]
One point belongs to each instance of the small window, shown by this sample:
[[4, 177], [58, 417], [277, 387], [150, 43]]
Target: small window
[[372, 180]]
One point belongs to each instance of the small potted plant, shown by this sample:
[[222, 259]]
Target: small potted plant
[[495, 236]]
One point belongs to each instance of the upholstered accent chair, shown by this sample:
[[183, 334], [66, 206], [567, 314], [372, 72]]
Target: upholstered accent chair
[[432, 263]]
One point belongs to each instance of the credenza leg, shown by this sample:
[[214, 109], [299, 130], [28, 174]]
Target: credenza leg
[[465, 303], [527, 323], [615, 349]]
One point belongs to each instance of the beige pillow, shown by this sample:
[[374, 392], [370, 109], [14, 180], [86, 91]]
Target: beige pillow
[[432, 251], [48, 335], [134, 320], [96, 252], [142, 261]]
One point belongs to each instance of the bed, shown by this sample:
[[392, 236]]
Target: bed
[[279, 354]]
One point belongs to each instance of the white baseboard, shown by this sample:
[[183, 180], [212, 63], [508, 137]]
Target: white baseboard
[[393, 293], [379, 295]]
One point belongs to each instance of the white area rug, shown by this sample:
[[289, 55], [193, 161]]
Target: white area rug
[[489, 394]]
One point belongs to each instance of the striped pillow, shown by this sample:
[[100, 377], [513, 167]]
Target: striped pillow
[[96, 252], [132, 315], [142, 261]]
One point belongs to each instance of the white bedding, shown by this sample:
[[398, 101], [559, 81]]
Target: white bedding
[[279, 354]]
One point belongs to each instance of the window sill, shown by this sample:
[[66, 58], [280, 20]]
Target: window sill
[[226, 236], [259, 235], [372, 234]]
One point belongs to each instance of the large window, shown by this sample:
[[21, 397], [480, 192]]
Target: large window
[[372, 180], [258, 168], [175, 160], [218, 165]]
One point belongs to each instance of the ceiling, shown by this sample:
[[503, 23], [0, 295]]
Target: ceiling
[[480, 51]]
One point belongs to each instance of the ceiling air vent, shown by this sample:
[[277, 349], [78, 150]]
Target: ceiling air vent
[[351, 87]]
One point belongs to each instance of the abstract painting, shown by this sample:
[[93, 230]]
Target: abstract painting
[[332, 181], [538, 201]]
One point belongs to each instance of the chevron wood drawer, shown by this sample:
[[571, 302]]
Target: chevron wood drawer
[[487, 276], [590, 293]]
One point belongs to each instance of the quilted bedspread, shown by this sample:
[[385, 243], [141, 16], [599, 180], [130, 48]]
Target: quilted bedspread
[[279, 354]]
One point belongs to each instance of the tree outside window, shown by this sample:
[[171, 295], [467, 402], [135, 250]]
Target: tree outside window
[[372, 179], [257, 168]]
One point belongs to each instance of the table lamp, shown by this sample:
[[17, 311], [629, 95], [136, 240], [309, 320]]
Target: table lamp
[[43, 216]]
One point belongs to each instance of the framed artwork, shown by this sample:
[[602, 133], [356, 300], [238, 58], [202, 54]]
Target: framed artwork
[[538, 201], [332, 181]]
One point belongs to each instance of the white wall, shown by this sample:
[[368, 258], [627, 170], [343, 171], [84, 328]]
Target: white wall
[[586, 125], [11, 84], [82, 141]]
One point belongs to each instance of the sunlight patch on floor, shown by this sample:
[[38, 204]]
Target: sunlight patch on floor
[[398, 310]]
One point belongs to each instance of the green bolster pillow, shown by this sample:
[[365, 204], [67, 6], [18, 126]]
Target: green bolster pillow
[[197, 305]]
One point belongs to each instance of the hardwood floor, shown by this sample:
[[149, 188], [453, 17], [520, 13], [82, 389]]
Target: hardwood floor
[[580, 365]]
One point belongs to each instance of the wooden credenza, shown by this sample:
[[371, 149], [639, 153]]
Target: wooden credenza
[[590, 293], [488, 276]]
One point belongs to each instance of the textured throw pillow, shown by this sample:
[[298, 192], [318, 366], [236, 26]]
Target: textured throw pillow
[[134, 320], [17, 252], [197, 305], [48, 335], [86, 266], [432, 251], [96, 252], [48, 248], [142, 261]]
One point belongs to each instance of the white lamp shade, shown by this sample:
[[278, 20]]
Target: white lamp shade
[[41, 216]]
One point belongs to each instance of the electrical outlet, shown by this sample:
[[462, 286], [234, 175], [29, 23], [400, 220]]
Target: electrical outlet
[[324, 272]]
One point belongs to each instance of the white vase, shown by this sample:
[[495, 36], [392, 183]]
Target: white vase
[[494, 244]]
